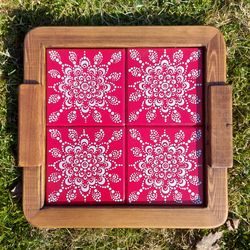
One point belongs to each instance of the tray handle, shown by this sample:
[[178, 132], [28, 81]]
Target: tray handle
[[220, 126], [29, 125]]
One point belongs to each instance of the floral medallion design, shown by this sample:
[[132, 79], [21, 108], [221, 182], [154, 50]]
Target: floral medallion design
[[164, 86], [85, 86], [96, 156], [165, 166], [85, 165]]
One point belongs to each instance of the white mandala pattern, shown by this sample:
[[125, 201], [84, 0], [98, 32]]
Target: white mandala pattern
[[85, 87], [84, 167], [164, 85], [165, 168]]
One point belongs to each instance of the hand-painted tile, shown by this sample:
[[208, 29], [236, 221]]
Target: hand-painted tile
[[85, 165], [85, 86], [165, 166], [164, 86]]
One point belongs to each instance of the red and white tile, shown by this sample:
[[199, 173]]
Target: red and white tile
[[164, 86], [85, 165], [165, 166], [87, 140], [85, 86]]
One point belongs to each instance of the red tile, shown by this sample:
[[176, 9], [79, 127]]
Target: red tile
[[164, 86], [85, 165], [165, 166], [85, 86]]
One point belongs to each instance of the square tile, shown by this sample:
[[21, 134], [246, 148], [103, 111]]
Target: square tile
[[165, 166], [85, 165], [85, 86], [164, 86], [111, 163]]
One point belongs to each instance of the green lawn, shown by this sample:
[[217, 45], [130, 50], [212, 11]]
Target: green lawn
[[17, 17]]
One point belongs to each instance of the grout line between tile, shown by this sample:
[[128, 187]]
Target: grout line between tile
[[126, 127]]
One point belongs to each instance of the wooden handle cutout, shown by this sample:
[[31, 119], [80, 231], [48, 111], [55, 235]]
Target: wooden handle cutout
[[29, 125], [220, 126]]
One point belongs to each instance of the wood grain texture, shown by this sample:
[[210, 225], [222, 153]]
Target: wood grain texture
[[123, 37], [142, 216], [214, 212], [29, 134], [220, 107], [31, 191]]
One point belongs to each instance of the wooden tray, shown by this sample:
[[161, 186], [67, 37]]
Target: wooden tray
[[217, 119]]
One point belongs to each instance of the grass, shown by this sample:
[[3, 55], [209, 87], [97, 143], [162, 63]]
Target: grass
[[18, 17]]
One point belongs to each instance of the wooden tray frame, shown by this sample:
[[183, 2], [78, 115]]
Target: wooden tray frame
[[32, 128]]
